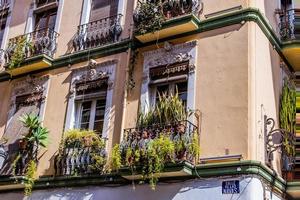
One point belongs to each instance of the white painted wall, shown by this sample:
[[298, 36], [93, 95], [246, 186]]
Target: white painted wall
[[251, 188]]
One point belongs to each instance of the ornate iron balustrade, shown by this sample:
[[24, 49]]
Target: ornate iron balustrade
[[77, 161], [98, 33], [290, 24], [4, 4], [15, 162], [182, 131], [43, 41]]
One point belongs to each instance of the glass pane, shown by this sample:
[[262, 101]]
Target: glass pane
[[99, 115], [181, 88], [161, 90], [51, 23], [41, 22], [98, 127], [85, 114]]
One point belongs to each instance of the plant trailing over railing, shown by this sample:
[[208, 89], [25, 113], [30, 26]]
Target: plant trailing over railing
[[18, 54], [288, 115], [162, 136], [42, 41], [81, 152], [150, 14], [29, 146], [148, 17]]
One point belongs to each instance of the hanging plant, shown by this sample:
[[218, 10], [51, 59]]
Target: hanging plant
[[288, 116], [21, 46], [148, 17], [152, 158], [30, 177]]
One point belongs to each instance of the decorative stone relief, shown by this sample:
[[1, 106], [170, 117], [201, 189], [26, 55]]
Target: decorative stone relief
[[34, 87], [31, 85], [169, 54], [92, 72]]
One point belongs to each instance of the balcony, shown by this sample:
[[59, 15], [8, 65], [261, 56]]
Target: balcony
[[30, 52], [290, 35], [81, 153], [98, 33], [156, 21], [182, 134]]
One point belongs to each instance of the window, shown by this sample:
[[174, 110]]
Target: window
[[103, 8], [91, 115], [90, 105], [169, 79], [171, 88], [46, 20]]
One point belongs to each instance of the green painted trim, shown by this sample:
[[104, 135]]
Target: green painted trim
[[293, 185], [73, 58], [92, 53], [232, 18], [204, 170], [239, 168]]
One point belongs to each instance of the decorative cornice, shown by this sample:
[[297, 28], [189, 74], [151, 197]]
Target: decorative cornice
[[241, 16], [93, 71], [239, 168], [29, 85], [169, 54]]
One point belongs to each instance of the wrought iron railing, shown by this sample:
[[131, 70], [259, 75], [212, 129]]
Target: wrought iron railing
[[182, 131], [4, 4], [77, 161], [43, 41], [98, 33], [290, 24], [15, 162]]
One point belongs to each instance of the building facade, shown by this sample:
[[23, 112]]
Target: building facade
[[97, 64]]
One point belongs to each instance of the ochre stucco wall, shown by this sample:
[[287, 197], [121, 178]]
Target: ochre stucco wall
[[5, 90], [222, 93], [265, 77]]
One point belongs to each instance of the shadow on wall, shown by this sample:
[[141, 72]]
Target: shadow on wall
[[57, 138], [206, 189]]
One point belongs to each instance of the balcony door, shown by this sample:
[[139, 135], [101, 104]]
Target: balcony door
[[46, 20], [101, 9]]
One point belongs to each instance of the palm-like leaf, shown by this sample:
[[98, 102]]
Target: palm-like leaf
[[30, 120], [40, 136]]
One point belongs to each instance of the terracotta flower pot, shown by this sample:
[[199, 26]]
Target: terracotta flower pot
[[181, 128], [289, 175], [22, 144]]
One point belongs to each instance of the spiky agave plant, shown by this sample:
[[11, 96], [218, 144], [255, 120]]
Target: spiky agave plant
[[36, 136], [30, 121]]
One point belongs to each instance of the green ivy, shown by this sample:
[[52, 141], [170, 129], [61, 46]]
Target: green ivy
[[288, 115]]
